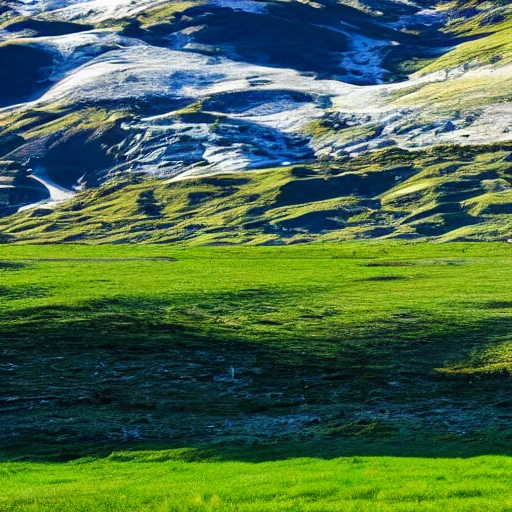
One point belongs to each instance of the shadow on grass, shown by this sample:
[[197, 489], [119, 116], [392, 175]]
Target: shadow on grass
[[135, 373]]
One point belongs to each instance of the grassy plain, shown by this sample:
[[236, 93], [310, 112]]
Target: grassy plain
[[161, 482], [325, 377]]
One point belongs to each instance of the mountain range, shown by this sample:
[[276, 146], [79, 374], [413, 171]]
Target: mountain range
[[260, 122]]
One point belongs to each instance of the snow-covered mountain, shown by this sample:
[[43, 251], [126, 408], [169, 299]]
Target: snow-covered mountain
[[99, 90]]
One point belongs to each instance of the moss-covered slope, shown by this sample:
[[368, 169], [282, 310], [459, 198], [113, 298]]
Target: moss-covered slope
[[448, 193]]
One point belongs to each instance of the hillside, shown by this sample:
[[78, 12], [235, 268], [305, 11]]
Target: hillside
[[231, 121], [181, 329]]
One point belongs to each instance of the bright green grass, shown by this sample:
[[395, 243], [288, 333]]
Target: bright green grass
[[142, 342], [489, 43], [462, 92], [208, 288], [331, 274], [165, 12], [153, 481]]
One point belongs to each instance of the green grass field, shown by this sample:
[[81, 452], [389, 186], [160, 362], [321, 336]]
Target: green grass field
[[356, 376], [155, 482]]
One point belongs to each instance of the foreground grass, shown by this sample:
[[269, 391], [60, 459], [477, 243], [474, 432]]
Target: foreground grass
[[160, 481], [282, 368]]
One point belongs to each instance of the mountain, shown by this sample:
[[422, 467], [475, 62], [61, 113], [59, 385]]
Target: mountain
[[248, 121]]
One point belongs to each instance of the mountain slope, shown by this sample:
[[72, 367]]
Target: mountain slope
[[100, 92]]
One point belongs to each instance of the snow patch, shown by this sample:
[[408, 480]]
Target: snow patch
[[143, 71], [363, 62], [86, 10], [58, 194]]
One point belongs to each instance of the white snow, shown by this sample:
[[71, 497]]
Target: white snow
[[75, 45], [289, 121], [100, 66], [364, 59], [73, 50], [145, 71], [423, 17], [58, 194], [86, 10]]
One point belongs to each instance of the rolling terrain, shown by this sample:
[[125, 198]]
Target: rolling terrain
[[158, 352], [328, 350], [197, 121], [355, 376]]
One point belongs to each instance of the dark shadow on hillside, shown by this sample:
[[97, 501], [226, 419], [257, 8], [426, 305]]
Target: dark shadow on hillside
[[367, 185], [133, 373], [23, 67], [45, 28], [308, 39]]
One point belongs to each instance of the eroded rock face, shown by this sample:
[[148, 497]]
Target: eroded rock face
[[181, 89]]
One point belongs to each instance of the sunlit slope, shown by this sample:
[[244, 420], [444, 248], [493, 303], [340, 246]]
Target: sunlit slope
[[444, 194]]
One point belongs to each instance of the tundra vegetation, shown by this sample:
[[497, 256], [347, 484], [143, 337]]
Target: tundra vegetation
[[321, 377], [226, 303], [198, 122]]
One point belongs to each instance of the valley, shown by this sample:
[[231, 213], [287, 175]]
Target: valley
[[314, 377], [255, 255]]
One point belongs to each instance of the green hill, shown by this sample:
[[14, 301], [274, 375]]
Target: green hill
[[215, 287]]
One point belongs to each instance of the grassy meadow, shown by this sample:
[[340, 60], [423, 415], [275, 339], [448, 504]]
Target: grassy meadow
[[356, 376], [154, 481]]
